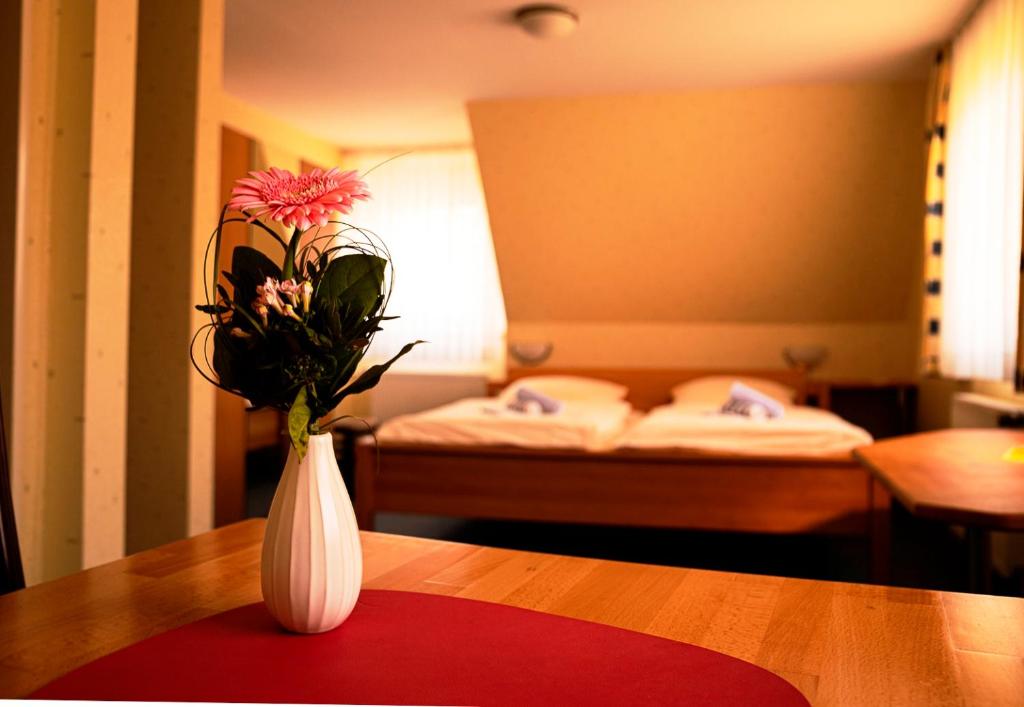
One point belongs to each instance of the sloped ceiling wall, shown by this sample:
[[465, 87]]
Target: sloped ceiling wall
[[795, 209]]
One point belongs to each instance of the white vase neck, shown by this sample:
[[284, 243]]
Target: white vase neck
[[319, 445], [319, 461], [322, 439]]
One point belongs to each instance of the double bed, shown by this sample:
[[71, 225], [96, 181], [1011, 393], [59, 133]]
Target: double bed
[[655, 458]]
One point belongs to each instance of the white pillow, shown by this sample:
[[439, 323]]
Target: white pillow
[[714, 390], [567, 388]]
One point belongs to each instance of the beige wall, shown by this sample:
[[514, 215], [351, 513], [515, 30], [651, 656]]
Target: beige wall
[[710, 227], [868, 351], [275, 144], [279, 138]]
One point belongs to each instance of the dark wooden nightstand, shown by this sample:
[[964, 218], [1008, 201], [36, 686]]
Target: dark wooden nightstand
[[884, 408]]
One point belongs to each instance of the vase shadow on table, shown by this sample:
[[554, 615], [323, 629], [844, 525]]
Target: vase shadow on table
[[925, 554]]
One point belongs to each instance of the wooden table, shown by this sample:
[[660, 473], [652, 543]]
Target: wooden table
[[841, 644], [958, 477]]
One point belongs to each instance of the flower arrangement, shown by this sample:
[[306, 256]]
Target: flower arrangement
[[291, 336]]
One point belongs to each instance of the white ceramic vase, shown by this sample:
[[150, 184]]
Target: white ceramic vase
[[312, 564]]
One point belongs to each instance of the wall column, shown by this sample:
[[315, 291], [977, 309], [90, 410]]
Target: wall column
[[10, 80], [67, 426], [175, 207]]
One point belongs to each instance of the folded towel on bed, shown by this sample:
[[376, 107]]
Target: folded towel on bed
[[528, 400], [744, 400]]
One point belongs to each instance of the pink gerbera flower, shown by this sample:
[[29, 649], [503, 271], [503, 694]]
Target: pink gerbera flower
[[297, 201]]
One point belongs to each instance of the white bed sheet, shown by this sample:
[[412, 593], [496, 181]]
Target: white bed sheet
[[591, 425], [802, 431]]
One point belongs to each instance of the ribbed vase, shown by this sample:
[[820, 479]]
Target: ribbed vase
[[312, 564]]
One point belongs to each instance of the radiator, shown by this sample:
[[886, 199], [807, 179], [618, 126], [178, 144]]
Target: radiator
[[976, 410]]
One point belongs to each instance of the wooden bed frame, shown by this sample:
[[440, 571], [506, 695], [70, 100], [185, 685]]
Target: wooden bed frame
[[650, 488]]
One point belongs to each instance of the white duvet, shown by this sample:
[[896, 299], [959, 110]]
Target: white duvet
[[591, 425], [802, 431]]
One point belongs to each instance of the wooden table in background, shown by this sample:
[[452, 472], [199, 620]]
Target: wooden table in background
[[957, 477], [841, 644]]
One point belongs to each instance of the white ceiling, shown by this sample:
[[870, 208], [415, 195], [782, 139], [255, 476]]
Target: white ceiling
[[398, 72]]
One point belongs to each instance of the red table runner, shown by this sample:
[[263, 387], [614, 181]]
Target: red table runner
[[408, 648]]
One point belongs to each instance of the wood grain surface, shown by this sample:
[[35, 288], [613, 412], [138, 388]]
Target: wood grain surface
[[841, 644], [649, 488], [957, 476]]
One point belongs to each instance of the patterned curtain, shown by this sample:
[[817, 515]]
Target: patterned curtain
[[935, 135]]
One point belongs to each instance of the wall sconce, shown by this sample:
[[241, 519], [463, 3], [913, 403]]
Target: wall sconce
[[804, 358], [531, 353]]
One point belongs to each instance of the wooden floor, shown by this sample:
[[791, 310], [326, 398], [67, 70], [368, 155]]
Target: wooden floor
[[841, 644]]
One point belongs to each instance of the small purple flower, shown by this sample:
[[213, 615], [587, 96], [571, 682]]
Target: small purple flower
[[267, 295], [291, 290]]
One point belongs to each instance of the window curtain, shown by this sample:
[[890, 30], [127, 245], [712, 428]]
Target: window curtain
[[984, 184], [428, 207], [935, 190]]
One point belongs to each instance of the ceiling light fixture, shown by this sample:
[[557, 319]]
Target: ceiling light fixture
[[547, 21]]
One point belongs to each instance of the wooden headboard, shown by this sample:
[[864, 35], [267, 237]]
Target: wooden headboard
[[650, 387]]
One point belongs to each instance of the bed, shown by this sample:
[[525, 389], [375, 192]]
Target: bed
[[587, 425], [804, 431], [627, 483]]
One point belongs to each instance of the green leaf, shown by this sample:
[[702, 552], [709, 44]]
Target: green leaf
[[249, 262], [217, 235], [353, 282], [316, 338], [372, 375], [223, 360], [230, 278], [298, 423], [249, 268], [345, 372], [212, 308]]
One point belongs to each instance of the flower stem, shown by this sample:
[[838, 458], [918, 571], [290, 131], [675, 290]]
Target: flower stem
[[288, 269]]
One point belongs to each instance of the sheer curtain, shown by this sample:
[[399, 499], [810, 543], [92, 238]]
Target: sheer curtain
[[983, 200], [428, 207]]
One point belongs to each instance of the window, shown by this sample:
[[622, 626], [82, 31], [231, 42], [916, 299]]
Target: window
[[428, 207], [984, 191]]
